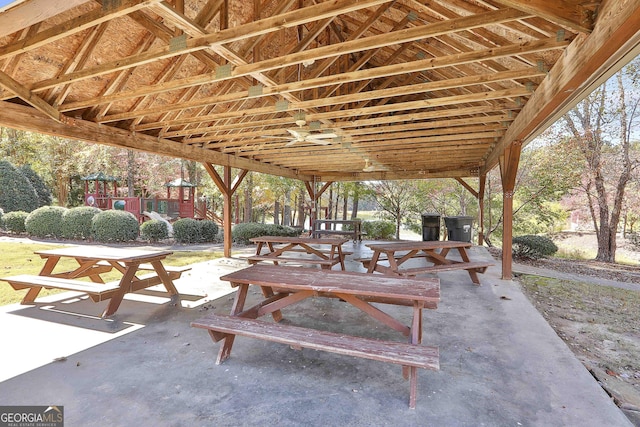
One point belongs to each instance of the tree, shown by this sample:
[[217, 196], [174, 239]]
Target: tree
[[44, 195], [631, 208], [280, 188], [16, 191], [18, 146], [396, 199], [546, 174], [64, 159], [599, 130]]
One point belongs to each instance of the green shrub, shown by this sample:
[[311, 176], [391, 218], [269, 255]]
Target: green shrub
[[382, 230], [241, 233], [45, 221], [14, 221], [186, 230], [154, 230], [350, 227], [1, 221], [16, 191], [114, 226], [208, 230], [43, 193], [534, 247], [76, 222], [634, 239]]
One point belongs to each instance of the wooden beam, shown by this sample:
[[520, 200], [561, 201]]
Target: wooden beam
[[388, 175], [382, 40], [396, 107], [217, 179], [234, 34], [73, 26], [335, 100], [228, 188], [481, 190], [226, 214], [238, 180], [57, 95], [26, 118], [367, 74], [509, 162], [386, 133], [565, 13], [30, 12], [486, 112], [34, 100], [615, 35], [469, 188], [193, 29]]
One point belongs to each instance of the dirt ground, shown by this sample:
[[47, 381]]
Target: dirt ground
[[600, 324]]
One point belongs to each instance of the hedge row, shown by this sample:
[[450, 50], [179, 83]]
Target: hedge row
[[241, 233], [87, 222]]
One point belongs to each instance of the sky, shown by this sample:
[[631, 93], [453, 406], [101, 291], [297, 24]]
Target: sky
[[3, 3]]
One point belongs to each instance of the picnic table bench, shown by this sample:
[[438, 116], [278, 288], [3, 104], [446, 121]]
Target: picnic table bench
[[284, 286], [313, 251], [92, 262], [395, 254], [356, 233]]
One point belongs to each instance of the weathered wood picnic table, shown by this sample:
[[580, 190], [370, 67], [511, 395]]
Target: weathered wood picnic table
[[349, 227], [92, 263], [388, 258], [299, 250], [284, 286]]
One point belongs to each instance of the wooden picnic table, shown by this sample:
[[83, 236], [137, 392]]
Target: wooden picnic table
[[284, 286], [92, 263], [388, 258], [356, 232], [299, 250]]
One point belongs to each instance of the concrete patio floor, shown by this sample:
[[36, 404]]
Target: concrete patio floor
[[501, 364]]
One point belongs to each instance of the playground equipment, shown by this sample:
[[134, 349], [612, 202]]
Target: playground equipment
[[101, 191]]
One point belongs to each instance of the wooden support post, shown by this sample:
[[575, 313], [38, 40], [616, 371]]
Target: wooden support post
[[226, 211], [508, 170], [481, 188], [315, 196], [479, 195], [227, 188]]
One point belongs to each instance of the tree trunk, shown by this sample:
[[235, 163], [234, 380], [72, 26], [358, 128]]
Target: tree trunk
[[330, 206], [248, 200], [345, 205], [356, 199], [276, 212], [286, 216], [131, 172], [301, 211]]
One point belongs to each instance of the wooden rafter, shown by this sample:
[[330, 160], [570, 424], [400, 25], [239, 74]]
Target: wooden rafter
[[26, 14], [76, 25], [567, 13], [598, 55], [26, 95], [23, 118], [419, 89]]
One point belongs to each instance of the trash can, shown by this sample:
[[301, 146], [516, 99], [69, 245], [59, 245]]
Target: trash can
[[430, 227], [459, 228]]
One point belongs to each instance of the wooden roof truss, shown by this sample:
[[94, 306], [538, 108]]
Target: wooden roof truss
[[411, 88]]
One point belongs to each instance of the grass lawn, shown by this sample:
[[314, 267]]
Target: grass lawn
[[598, 323], [19, 258]]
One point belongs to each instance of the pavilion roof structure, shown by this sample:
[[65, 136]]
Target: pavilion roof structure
[[396, 89]]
